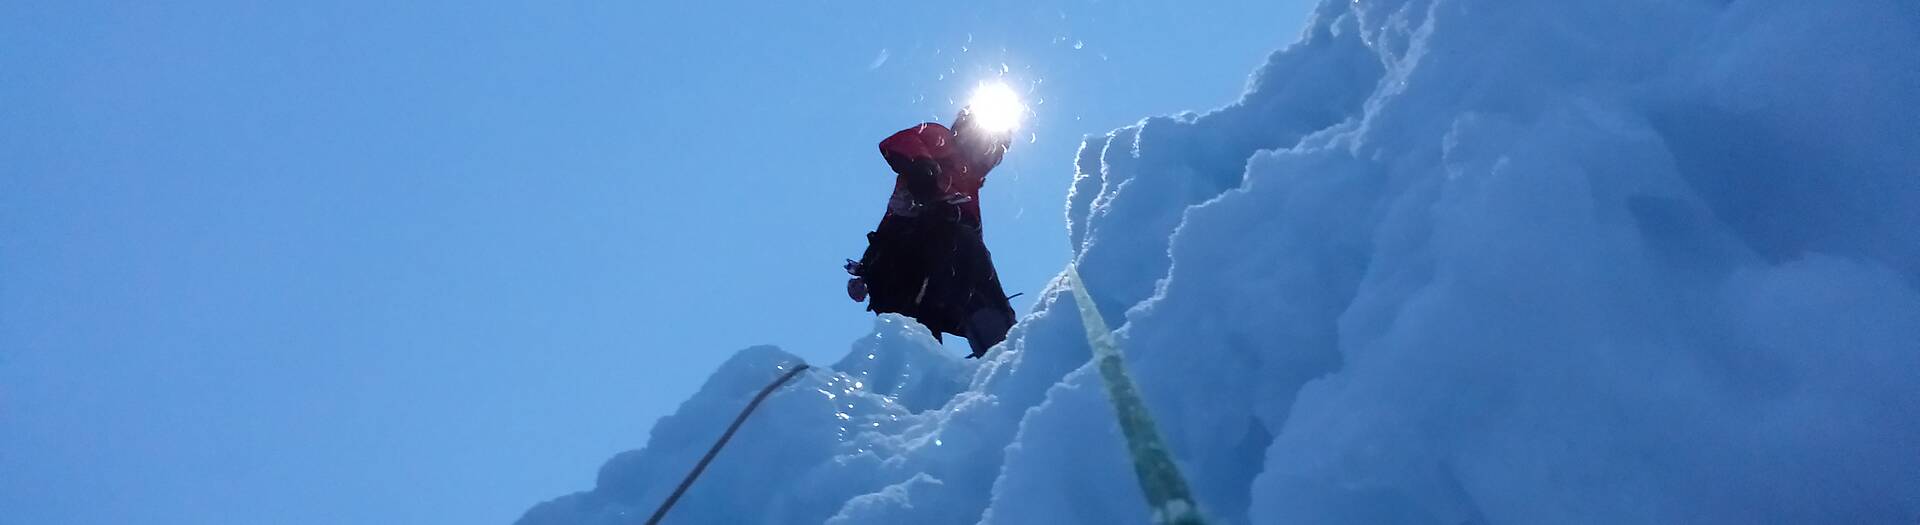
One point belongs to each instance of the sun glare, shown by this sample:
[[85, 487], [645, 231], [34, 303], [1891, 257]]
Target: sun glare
[[996, 107]]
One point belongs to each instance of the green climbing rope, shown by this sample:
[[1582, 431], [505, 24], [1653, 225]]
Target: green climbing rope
[[1166, 490]]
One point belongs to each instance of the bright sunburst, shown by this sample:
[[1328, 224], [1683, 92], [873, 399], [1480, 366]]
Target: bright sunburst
[[996, 108]]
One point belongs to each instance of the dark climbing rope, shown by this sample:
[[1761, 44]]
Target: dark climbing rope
[[724, 437]]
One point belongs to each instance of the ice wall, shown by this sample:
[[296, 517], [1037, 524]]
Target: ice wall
[[1447, 261]]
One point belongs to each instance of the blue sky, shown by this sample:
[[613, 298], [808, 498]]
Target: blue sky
[[360, 262]]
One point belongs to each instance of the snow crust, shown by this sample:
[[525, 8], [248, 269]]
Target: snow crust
[[1447, 261]]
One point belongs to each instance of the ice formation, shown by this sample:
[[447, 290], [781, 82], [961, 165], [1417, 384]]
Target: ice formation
[[1446, 261]]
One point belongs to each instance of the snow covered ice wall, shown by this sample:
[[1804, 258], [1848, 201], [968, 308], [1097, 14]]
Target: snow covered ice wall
[[1447, 261]]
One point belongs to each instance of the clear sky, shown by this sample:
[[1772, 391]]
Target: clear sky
[[433, 262]]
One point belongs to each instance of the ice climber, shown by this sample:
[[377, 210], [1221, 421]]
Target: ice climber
[[927, 259]]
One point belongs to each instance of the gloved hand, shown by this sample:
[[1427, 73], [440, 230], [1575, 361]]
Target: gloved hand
[[857, 289], [922, 177]]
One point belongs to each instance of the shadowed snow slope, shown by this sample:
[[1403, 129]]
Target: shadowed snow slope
[[1447, 261]]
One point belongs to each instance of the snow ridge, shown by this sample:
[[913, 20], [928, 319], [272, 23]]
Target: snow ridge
[[1447, 261]]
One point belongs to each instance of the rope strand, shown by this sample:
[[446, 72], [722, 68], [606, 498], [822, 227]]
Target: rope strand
[[724, 437]]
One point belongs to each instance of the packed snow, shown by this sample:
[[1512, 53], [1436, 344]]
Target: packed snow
[[1446, 261]]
